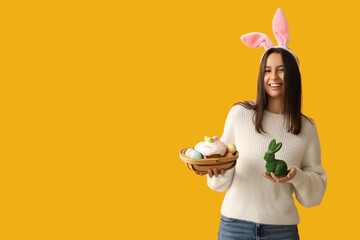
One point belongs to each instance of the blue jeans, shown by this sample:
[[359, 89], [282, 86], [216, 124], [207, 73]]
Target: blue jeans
[[235, 229]]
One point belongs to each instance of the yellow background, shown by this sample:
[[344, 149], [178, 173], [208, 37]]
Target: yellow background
[[98, 97]]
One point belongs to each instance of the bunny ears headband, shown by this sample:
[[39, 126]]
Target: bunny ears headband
[[280, 30]]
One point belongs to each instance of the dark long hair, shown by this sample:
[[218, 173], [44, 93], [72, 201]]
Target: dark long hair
[[292, 95]]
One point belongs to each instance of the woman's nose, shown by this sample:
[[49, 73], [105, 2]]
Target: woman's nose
[[273, 75]]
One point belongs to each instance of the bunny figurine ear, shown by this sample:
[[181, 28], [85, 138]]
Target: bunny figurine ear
[[277, 147], [256, 40], [280, 28], [272, 144]]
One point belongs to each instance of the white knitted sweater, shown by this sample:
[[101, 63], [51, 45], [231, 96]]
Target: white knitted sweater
[[250, 196]]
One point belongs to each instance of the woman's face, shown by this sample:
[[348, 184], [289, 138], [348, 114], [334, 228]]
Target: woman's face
[[274, 75]]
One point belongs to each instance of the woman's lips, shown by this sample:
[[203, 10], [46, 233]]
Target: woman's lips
[[275, 85]]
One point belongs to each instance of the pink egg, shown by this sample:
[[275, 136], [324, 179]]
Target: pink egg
[[187, 152], [228, 154]]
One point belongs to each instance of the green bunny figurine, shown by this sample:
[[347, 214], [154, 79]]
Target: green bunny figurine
[[278, 167]]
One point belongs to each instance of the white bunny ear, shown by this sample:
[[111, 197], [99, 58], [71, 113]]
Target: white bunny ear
[[280, 28], [256, 40]]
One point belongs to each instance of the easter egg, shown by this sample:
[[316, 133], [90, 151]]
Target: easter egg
[[228, 154], [195, 154], [210, 140], [187, 152], [231, 148]]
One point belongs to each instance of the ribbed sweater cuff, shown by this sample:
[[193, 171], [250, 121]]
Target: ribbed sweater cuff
[[298, 177]]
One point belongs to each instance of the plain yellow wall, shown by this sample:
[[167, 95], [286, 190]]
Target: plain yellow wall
[[98, 97]]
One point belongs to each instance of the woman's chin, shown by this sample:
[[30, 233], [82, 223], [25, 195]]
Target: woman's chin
[[275, 95]]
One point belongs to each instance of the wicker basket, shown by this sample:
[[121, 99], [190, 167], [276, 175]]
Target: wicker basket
[[203, 165]]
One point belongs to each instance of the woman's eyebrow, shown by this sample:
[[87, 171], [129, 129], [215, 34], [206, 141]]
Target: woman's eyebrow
[[277, 66]]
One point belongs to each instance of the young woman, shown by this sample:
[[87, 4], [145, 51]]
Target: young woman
[[258, 206]]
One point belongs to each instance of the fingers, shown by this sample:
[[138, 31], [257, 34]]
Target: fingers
[[275, 177], [218, 172], [215, 172], [210, 173], [268, 177], [286, 178], [292, 173]]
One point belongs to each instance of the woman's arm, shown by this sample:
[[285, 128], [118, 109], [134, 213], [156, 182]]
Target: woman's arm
[[310, 180], [223, 182]]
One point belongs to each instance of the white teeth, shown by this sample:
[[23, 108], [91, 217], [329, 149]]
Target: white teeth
[[275, 85]]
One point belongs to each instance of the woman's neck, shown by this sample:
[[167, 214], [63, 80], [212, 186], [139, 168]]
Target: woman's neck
[[275, 105]]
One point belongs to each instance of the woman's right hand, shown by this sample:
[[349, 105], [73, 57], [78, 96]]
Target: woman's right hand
[[212, 172]]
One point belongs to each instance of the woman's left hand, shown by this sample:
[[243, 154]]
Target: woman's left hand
[[284, 179]]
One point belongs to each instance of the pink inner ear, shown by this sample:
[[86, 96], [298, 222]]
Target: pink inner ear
[[280, 28], [256, 40]]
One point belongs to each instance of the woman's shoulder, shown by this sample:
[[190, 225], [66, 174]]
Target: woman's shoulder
[[307, 120], [308, 124], [245, 105], [241, 109]]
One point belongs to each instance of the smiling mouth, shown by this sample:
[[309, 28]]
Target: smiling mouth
[[275, 85]]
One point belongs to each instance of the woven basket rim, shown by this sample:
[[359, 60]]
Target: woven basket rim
[[207, 161]]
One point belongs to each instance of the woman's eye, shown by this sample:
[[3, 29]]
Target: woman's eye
[[270, 70]]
